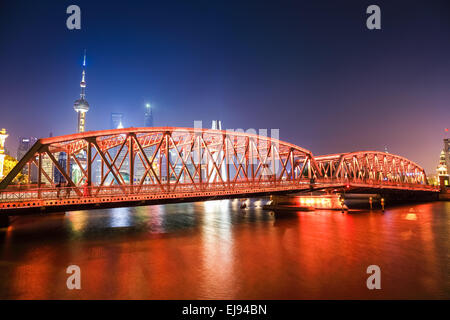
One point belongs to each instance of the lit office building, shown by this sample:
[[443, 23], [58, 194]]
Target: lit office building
[[148, 116], [116, 120], [444, 165], [3, 136], [25, 144]]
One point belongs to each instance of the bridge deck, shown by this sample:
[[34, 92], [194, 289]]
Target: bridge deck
[[54, 199]]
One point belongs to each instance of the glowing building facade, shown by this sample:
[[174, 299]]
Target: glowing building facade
[[3, 137], [25, 144], [139, 166], [444, 165], [148, 117], [116, 120]]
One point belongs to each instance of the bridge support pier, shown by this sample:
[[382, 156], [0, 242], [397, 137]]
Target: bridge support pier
[[4, 221]]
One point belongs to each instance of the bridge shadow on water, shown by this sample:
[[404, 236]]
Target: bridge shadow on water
[[160, 221], [157, 221]]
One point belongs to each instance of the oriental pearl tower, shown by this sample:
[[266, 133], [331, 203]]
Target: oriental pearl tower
[[81, 105]]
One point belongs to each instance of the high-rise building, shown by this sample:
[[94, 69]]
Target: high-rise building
[[216, 125], [62, 161], [81, 105], [25, 144], [443, 169], [148, 117], [139, 166], [447, 151], [47, 170], [3, 137], [116, 120]]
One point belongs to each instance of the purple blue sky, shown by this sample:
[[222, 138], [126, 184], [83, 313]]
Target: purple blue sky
[[310, 68]]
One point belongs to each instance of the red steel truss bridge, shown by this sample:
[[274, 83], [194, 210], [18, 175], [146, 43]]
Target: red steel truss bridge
[[137, 166]]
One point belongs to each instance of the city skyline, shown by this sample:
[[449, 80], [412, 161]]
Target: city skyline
[[324, 91]]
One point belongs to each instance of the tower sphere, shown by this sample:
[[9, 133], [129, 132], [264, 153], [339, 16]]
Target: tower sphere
[[81, 105]]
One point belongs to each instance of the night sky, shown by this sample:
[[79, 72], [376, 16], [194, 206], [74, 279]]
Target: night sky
[[310, 68]]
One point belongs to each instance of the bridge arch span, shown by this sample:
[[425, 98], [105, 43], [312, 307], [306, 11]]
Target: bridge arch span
[[371, 166], [166, 156]]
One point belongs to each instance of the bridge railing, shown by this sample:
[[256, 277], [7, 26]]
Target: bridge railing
[[218, 188], [375, 183], [55, 193]]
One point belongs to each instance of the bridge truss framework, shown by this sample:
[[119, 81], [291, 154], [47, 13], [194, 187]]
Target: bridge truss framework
[[151, 164]]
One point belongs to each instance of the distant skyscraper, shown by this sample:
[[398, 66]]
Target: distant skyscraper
[[116, 120], [447, 152], [25, 144], [216, 125], [48, 167], [116, 123], [81, 105], [443, 169], [57, 176], [3, 136], [148, 119], [139, 166]]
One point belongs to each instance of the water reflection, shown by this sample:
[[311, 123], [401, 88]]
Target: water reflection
[[120, 217], [217, 249], [77, 221]]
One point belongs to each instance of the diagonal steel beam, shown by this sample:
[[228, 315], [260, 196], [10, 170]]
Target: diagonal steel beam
[[94, 142], [63, 172], [20, 165]]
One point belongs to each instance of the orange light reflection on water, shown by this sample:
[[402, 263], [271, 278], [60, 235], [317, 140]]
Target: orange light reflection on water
[[214, 250]]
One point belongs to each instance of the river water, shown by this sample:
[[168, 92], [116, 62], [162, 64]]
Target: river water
[[216, 250]]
